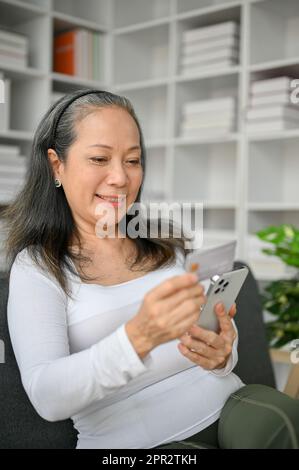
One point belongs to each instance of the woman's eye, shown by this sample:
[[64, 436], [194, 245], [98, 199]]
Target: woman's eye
[[98, 159], [134, 162], [104, 159]]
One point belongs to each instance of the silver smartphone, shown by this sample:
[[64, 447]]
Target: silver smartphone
[[223, 288]]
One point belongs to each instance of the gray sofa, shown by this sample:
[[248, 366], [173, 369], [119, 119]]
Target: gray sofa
[[22, 428]]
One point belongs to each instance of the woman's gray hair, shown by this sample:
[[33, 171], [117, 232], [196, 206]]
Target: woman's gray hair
[[40, 218]]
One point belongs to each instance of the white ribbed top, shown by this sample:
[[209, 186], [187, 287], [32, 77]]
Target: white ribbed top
[[77, 362]]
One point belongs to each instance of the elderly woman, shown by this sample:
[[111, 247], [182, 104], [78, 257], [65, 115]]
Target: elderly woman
[[104, 328]]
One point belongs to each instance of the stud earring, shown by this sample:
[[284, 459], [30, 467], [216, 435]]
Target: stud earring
[[57, 183]]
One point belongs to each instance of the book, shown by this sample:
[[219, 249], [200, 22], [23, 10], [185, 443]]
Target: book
[[17, 40], [270, 112], [227, 103], [78, 52], [9, 61], [207, 132], [269, 126], [280, 84], [208, 57], [212, 44], [274, 98], [220, 29], [207, 67], [207, 262], [208, 116], [64, 53]]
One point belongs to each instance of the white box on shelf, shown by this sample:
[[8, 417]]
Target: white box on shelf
[[273, 98], [220, 54], [273, 112], [271, 125], [209, 46], [212, 104], [280, 84], [213, 31], [208, 67]]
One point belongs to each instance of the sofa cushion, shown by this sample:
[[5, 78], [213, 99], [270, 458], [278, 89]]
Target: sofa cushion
[[21, 427]]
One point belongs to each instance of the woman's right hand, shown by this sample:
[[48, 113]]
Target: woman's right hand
[[167, 312]]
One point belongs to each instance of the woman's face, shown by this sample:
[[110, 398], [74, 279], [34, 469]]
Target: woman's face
[[105, 160]]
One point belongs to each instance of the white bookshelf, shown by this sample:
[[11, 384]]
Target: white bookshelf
[[245, 181]]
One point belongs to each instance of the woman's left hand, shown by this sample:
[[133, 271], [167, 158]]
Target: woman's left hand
[[206, 348]]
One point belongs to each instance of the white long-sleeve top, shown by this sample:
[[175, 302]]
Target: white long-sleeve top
[[76, 361]]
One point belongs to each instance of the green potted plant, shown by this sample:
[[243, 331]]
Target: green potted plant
[[281, 297]]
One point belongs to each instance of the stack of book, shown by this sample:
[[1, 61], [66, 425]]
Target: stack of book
[[80, 53], [213, 116], [5, 86], [12, 172], [210, 47], [14, 48], [270, 106]]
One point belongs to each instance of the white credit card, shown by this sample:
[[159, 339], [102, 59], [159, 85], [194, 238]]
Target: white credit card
[[210, 261]]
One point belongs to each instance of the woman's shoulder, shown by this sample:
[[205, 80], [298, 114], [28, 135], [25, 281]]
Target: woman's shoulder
[[28, 266]]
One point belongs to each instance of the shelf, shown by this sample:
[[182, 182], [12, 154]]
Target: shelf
[[221, 139], [215, 72], [281, 43], [221, 11], [141, 55], [142, 84], [158, 143], [141, 13], [14, 12], [64, 22], [151, 108], [141, 26], [207, 88], [76, 81], [270, 136], [19, 73], [258, 220], [282, 181], [155, 176], [268, 276], [273, 206], [288, 66], [13, 135], [211, 174], [91, 14]]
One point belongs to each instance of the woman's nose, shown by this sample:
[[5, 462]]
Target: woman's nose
[[117, 175]]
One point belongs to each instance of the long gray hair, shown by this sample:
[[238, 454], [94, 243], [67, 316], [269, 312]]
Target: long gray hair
[[40, 218]]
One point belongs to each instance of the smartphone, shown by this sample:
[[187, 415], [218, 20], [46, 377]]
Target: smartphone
[[223, 288]]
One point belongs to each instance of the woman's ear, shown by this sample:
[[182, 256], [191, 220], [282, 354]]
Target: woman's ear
[[55, 163]]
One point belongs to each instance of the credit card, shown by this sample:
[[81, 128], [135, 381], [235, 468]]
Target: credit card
[[210, 261]]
